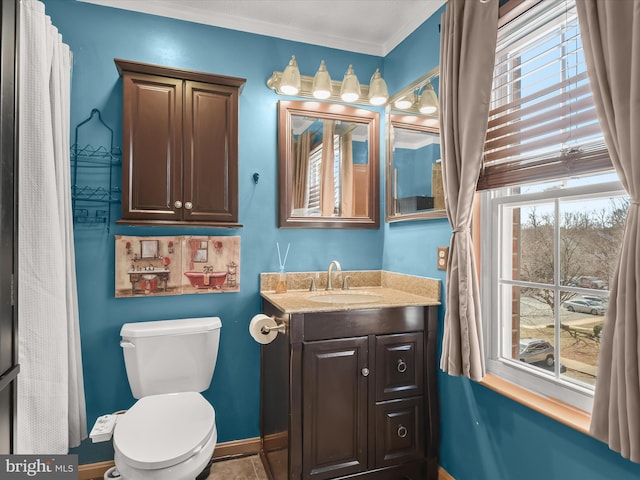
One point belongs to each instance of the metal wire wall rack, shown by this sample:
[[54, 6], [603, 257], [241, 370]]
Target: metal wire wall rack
[[93, 189]]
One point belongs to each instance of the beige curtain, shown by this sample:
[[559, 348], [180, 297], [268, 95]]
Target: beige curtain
[[611, 41], [301, 149], [327, 181], [467, 56], [346, 174]]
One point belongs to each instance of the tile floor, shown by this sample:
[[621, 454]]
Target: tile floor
[[245, 468]]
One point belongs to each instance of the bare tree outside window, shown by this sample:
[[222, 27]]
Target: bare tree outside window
[[572, 247]]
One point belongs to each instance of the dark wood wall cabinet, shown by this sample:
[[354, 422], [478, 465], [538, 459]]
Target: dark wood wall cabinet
[[180, 146], [351, 394]]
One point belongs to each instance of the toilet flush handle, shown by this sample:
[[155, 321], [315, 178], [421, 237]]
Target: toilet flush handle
[[125, 344]]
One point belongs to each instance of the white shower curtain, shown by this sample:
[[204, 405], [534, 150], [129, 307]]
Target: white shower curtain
[[50, 411]]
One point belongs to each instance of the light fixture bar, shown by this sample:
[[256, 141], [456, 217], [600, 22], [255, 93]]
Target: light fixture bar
[[412, 91], [306, 83]]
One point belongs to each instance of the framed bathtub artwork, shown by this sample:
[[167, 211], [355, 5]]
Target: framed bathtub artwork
[[176, 265]]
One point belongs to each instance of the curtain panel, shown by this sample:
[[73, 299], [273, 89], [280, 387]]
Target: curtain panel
[[611, 42], [301, 149], [50, 410], [467, 57]]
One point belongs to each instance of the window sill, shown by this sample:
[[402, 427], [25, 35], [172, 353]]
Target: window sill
[[566, 414]]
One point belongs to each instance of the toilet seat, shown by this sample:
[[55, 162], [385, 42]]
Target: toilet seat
[[163, 430]]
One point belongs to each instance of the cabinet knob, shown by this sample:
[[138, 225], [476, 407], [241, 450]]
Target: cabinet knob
[[365, 372], [402, 366], [402, 431], [177, 204], [188, 205]]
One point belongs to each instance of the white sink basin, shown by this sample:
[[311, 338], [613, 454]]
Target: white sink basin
[[345, 297]]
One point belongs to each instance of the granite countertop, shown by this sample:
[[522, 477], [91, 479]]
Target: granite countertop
[[387, 289]]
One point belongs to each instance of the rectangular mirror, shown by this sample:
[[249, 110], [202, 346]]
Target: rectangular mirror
[[328, 165], [414, 169]]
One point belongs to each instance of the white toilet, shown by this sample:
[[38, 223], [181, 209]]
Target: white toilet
[[170, 432]]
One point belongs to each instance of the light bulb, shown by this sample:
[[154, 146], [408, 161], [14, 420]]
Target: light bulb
[[404, 102], [428, 101], [321, 87], [350, 91], [378, 93], [290, 81]]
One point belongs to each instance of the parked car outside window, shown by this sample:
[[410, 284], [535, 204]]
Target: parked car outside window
[[533, 350], [596, 299], [585, 306], [588, 282]]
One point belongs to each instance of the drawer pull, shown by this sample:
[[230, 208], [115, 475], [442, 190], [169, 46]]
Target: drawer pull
[[178, 204], [402, 366], [188, 205], [402, 431], [365, 372]]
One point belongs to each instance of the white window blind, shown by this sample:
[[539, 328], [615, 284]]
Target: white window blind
[[315, 177], [313, 190], [542, 123]]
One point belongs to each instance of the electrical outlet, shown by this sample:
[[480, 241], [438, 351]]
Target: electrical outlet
[[443, 257]]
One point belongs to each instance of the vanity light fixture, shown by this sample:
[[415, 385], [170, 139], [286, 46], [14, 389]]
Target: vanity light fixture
[[419, 97], [290, 81], [404, 103], [428, 100], [321, 87], [378, 93], [350, 91]]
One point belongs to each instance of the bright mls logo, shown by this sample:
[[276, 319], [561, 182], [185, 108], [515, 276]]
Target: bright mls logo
[[51, 467]]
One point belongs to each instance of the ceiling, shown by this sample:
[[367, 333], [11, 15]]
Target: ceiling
[[373, 27]]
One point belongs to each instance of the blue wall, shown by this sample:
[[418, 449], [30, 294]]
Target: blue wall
[[414, 169], [96, 36], [484, 435]]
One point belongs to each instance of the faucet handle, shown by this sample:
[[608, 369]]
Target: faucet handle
[[345, 282], [312, 287]]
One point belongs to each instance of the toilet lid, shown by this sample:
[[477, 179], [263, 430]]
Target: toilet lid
[[163, 430]]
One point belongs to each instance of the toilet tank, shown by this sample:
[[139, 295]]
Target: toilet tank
[[169, 356]]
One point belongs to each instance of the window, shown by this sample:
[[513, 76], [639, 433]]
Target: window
[[552, 212], [556, 246], [314, 180]]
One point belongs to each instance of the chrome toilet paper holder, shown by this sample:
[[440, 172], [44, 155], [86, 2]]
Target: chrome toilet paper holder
[[280, 328]]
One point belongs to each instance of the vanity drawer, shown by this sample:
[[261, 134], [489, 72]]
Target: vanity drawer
[[399, 366], [399, 431]]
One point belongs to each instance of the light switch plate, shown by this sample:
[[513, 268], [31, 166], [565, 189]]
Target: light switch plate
[[443, 257]]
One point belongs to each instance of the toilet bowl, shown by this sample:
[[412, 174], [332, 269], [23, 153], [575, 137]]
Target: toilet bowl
[[165, 437], [170, 432]]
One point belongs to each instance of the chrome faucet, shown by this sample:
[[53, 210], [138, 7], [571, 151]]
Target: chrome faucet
[[336, 264]]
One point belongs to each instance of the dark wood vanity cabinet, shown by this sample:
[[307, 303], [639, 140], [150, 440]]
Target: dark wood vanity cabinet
[[351, 395], [180, 146], [334, 412]]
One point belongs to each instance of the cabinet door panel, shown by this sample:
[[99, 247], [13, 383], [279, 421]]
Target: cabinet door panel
[[210, 152], [399, 431], [152, 140], [334, 408], [399, 365]]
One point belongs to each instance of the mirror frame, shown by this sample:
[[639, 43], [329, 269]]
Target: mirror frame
[[331, 111], [412, 121]]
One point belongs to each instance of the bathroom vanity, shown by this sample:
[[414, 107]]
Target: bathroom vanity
[[349, 390]]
